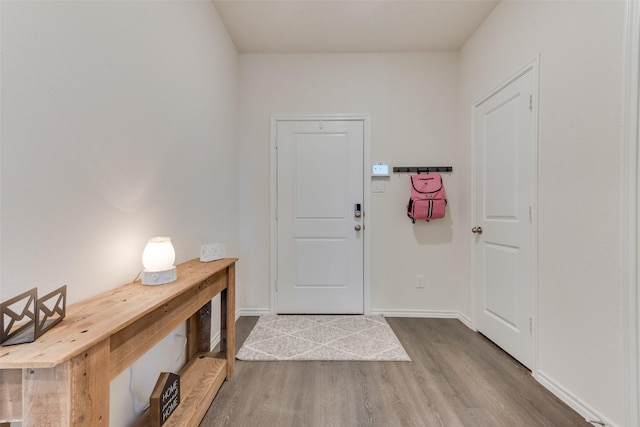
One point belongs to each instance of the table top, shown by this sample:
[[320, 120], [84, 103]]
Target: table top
[[93, 320]]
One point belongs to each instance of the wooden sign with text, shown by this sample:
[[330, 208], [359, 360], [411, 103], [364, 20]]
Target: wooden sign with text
[[165, 398]]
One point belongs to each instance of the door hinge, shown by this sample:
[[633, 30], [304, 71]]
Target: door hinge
[[530, 216], [530, 102], [530, 325]]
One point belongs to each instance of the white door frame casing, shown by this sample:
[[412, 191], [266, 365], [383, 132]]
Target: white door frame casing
[[273, 199], [630, 211], [531, 66]]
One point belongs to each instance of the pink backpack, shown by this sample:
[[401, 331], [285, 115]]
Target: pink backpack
[[428, 198]]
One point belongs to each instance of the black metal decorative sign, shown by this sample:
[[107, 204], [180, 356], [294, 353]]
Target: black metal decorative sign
[[165, 398]]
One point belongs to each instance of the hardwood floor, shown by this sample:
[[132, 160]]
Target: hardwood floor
[[456, 378]]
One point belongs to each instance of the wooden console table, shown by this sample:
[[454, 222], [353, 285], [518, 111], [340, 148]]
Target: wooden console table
[[63, 378]]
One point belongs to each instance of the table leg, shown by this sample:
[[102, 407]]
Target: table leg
[[10, 395], [75, 393], [199, 332], [228, 320]]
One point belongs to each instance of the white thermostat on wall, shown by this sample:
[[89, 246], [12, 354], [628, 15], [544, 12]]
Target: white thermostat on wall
[[212, 252], [380, 170]]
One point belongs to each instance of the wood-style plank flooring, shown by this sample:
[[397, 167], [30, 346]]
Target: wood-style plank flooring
[[456, 378]]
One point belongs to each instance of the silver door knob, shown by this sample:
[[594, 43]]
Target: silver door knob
[[477, 230], [357, 227]]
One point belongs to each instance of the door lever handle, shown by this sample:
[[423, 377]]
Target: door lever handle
[[477, 230]]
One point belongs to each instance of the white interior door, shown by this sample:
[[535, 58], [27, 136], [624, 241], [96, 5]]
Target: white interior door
[[320, 250], [504, 198]]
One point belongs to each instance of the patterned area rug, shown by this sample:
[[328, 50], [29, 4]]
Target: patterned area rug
[[314, 337]]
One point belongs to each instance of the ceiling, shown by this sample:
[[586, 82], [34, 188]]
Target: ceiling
[[336, 26]]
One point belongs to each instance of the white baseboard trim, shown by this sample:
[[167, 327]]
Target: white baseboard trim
[[388, 312], [467, 321], [430, 314], [435, 314], [215, 340], [252, 312], [591, 415]]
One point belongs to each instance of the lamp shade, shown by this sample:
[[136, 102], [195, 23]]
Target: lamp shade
[[158, 255]]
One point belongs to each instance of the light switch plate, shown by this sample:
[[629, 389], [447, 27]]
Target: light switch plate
[[377, 186], [212, 252]]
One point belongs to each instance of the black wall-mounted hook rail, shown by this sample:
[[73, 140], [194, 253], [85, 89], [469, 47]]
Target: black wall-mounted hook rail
[[420, 169]]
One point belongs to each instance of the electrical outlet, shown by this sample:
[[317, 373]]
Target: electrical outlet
[[420, 281]]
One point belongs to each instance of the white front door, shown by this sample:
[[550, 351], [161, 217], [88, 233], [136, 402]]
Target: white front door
[[320, 250], [504, 125]]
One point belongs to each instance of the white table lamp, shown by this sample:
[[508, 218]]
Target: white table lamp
[[158, 258]]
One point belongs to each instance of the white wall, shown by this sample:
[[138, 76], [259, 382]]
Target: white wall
[[580, 288], [412, 102], [119, 119], [118, 124]]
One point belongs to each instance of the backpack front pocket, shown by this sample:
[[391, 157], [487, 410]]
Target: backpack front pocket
[[426, 209]]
